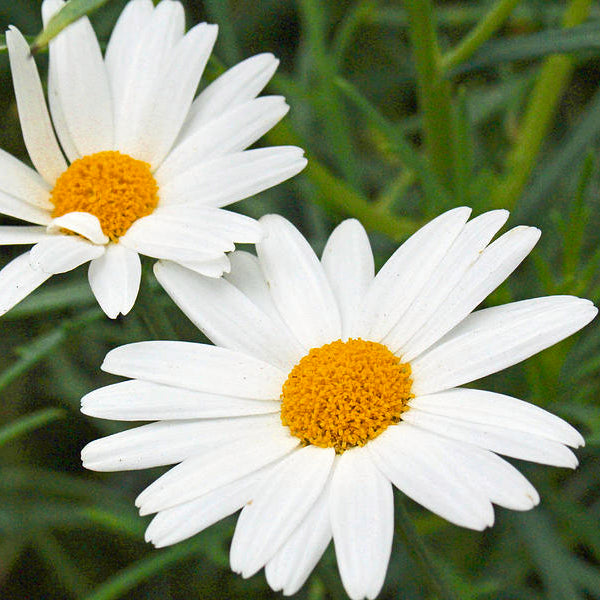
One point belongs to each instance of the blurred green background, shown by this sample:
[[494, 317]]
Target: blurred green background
[[502, 122]]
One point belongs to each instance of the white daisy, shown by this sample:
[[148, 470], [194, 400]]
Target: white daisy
[[147, 167], [328, 385]]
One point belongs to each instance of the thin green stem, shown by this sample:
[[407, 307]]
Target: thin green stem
[[433, 90], [480, 34], [554, 76], [438, 584]]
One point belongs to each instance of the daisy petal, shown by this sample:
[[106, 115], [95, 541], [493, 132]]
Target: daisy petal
[[214, 467], [424, 472], [233, 131], [197, 367], [400, 280], [21, 235], [143, 77], [361, 505], [154, 126], [62, 253], [494, 265], [214, 268], [279, 506], [495, 477], [81, 84], [35, 121], [496, 438], [298, 284], [137, 400], [233, 177], [115, 279], [169, 442], [123, 44], [238, 85], [289, 569], [495, 338], [18, 280], [181, 522], [20, 209], [209, 304], [247, 275], [85, 224], [463, 253], [22, 182], [190, 233], [348, 263], [490, 408]]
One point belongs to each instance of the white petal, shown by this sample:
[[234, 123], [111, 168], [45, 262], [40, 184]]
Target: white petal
[[212, 468], [496, 438], [494, 477], [22, 182], [137, 400], [233, 177], [21, 235], [17, 280], [209, 268], [227, 317], [85, 224], [238, 85], [169, 442], [463, 253], [62, 253], [81, 84], [495, 264], [123, 43], [492, 339], [141, 78], [154, 124], [181, 522], [489, 408], [362, 520], [115, 279], [403, 276], [348, 263], [35, 121], [279, 506], [289, 569], [197, 367], [420, 468], [20, 209], [233, 131], [247, 275], [190, 233], [298, 284]]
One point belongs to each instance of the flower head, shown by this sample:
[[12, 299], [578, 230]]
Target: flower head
[[148, 168], [328, 385]]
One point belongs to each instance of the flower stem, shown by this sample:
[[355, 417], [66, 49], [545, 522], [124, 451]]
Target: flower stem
[[554, 76], [438, 584], [433, 90], [480, 34]]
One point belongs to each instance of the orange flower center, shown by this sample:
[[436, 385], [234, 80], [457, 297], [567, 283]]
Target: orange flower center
[[344, 394], [112, 186]]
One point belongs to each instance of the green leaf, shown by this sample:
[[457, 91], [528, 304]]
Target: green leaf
[[42, 346], [584, 37], [73, 10], [561, 161], [25, 424]]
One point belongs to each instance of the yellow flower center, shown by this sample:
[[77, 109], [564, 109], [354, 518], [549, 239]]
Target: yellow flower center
[[112, 186], [344, 394]]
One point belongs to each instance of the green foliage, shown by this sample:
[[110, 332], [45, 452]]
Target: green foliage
[[404, 109]]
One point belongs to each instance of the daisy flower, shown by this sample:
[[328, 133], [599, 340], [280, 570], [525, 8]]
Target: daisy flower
[[142, 167], [328, 385]]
